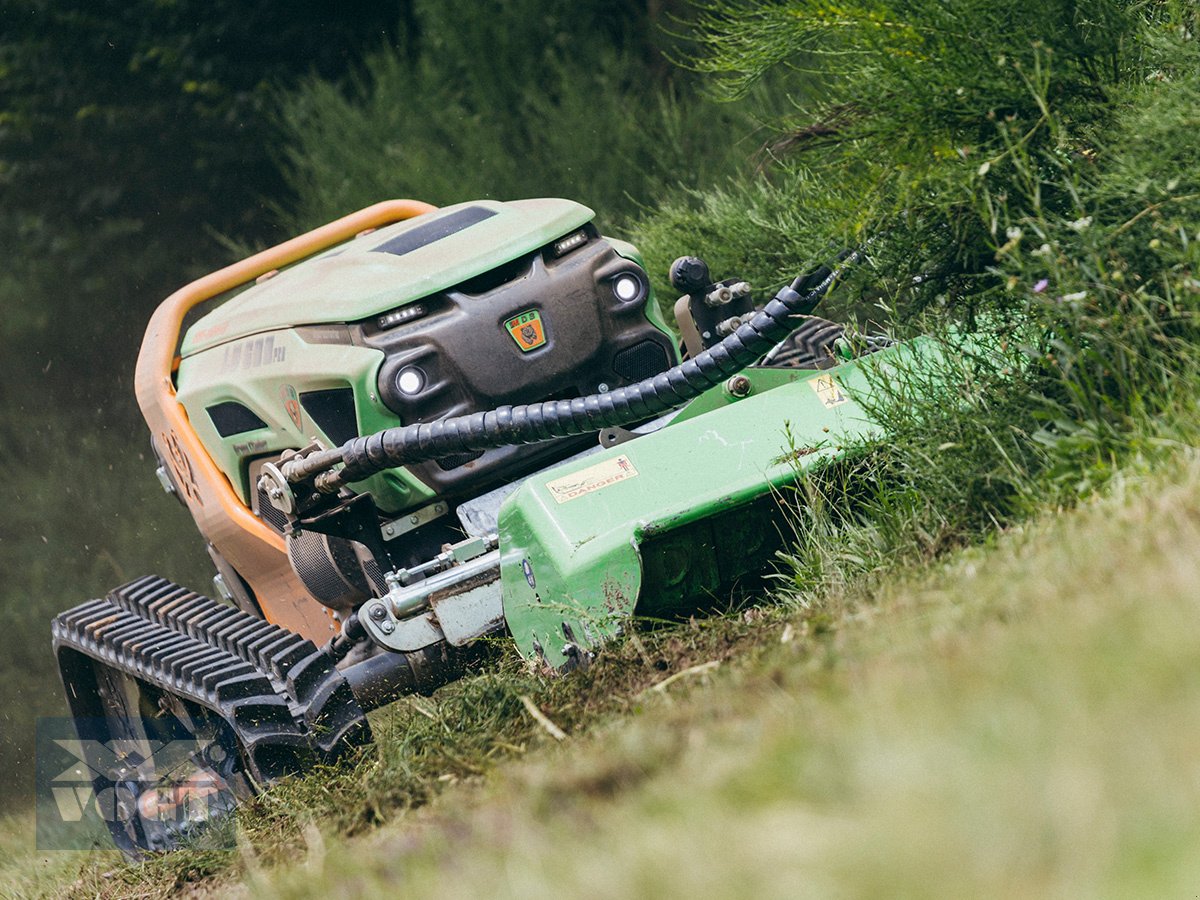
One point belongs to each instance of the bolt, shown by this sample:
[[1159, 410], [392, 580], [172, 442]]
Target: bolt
[[602, 388], [739, 386], [378, 611], [387, 627], [389, 529], [416, 520]]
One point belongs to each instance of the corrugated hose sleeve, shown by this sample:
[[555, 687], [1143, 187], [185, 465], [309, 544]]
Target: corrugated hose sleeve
[[528, 424]]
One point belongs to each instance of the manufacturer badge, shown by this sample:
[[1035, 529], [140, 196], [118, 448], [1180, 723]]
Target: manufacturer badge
[[527, 330]]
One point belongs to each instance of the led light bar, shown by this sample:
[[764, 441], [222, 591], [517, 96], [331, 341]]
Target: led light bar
[[402, 315], [565, 245]]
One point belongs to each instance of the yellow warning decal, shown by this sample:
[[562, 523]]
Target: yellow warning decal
[[828, 390], [527, 330], [593, 478]]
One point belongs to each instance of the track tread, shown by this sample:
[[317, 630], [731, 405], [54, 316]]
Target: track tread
[[275, 689]]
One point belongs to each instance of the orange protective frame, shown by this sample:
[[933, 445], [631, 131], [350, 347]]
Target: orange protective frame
[[251, 547]]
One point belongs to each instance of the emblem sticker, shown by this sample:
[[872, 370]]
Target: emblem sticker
[[527, 330], [828, 391], [291, 403], [593, 478]]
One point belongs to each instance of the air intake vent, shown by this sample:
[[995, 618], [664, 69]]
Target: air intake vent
[[641, 361], [275, 518], [233, 418], [333, 411], [494, 278], [446, 463], [430, 232]]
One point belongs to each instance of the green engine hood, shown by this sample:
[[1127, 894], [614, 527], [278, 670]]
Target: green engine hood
[[359, 279]]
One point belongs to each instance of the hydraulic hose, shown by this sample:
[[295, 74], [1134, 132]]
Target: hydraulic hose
[[535, 422]]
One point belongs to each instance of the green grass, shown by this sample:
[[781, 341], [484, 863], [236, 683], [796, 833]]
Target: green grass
[[1021, 722], [1018, 719]]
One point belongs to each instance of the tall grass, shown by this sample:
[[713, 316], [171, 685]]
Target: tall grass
[[1032, 181]]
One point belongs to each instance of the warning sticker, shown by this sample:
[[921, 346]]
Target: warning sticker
[[593, 478], [827, 389]]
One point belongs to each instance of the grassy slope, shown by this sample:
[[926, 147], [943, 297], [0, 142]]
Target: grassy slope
[[1020, 721]]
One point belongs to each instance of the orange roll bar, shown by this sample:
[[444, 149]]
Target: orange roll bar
[[245, 541]]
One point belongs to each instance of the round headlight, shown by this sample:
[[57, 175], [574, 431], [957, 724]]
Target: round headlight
[[628, 287], [410, 380]]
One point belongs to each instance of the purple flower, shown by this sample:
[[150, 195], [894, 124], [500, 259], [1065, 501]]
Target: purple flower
[[1041, 285]]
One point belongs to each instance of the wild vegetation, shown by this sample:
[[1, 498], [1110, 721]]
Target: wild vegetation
[[1022, 172]]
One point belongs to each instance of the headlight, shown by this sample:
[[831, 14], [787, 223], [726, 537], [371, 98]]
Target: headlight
[[628, 287], [410, 380]]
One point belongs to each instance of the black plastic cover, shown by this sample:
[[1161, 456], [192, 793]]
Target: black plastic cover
[[470, 362]]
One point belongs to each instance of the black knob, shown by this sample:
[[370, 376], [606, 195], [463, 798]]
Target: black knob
[[690, 274]]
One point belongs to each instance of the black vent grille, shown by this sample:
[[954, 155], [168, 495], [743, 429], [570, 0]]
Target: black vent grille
[[275, 518], [375, 576], [446, 463], [641, 361], [232, 418], [333, 411], [315, 558]]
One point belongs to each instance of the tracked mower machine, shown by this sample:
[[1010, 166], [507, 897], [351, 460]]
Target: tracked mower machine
[[414, 428]]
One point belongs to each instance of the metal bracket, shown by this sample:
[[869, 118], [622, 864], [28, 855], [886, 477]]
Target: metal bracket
[[458, 604], [406, 523], [356, 519], [611, 437]]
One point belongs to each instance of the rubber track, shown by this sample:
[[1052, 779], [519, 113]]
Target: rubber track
[[284, 698], [811, 345]]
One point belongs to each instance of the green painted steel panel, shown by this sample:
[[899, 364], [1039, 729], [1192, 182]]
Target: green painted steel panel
[[571, 562], [262, 372]]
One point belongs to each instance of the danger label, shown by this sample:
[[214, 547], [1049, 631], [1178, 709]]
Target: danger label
[[593, 478], [828, 391]]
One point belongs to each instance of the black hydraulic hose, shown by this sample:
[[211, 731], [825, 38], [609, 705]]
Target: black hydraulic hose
[[528, 424]]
